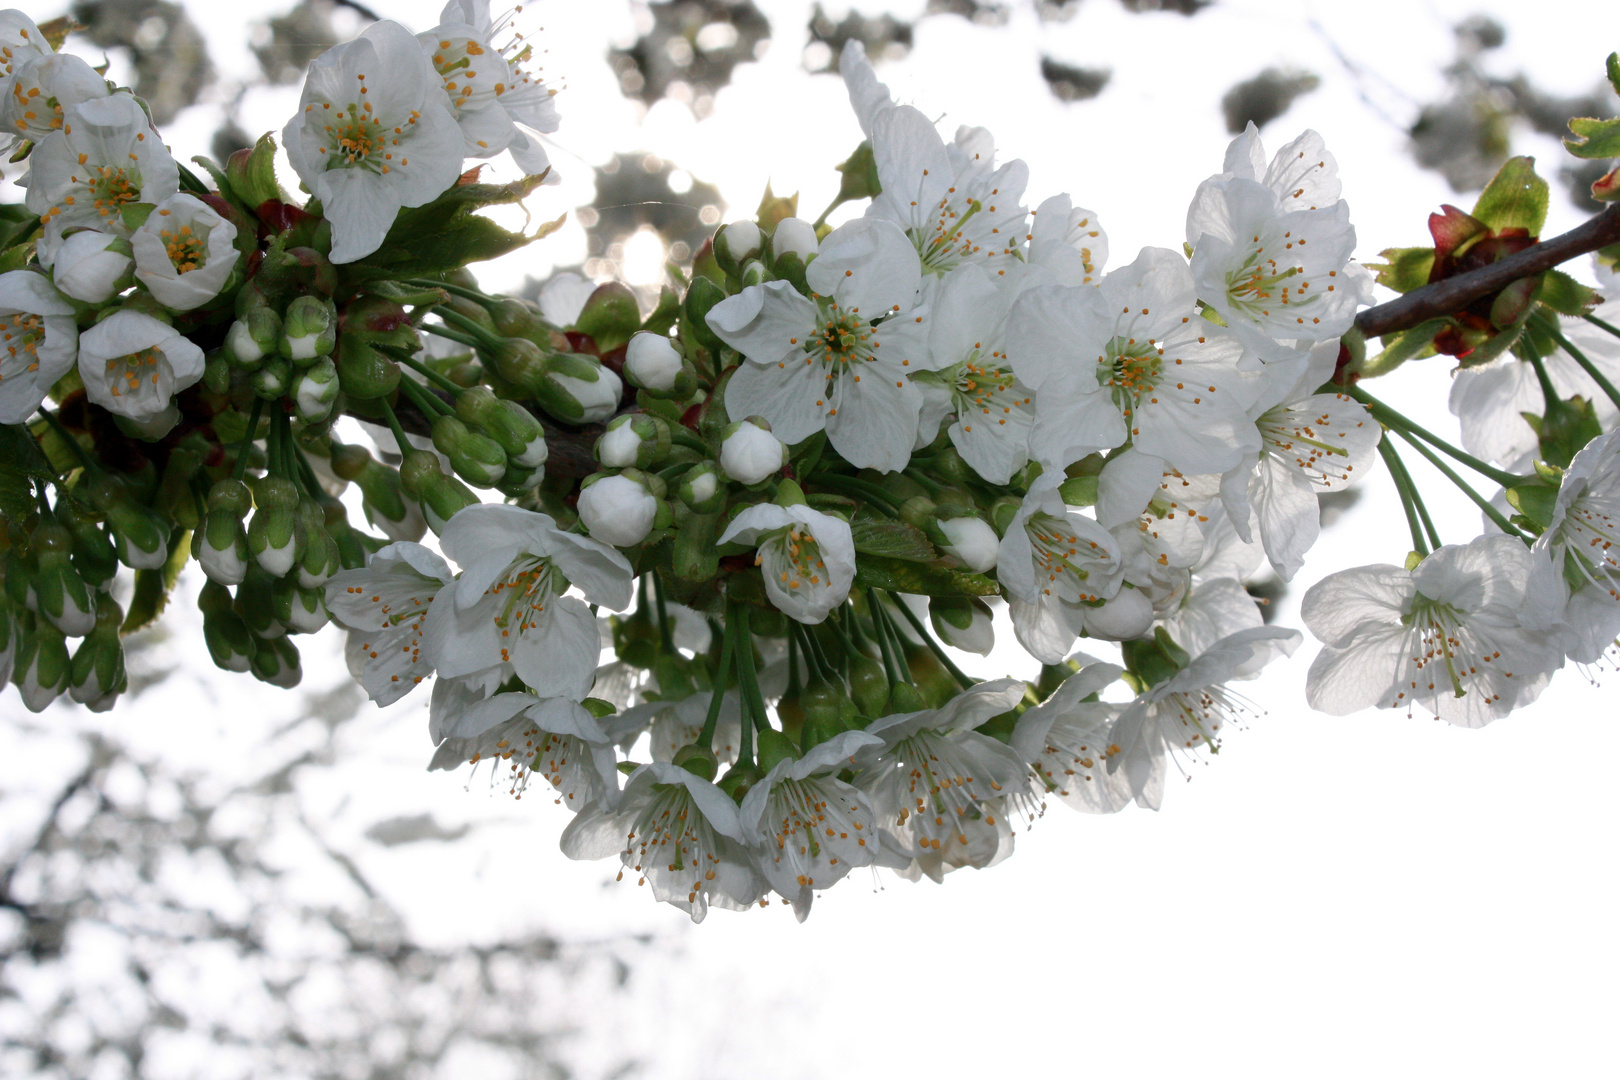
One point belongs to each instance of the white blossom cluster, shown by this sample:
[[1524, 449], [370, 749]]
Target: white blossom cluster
[[1115, 452]]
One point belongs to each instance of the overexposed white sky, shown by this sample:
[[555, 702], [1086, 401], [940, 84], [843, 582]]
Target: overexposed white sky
[[1367, 895]]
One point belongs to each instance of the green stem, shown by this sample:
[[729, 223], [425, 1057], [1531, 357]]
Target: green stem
[[447, 385], [891, 667], [1392, 419], [1602, 324], [681, 435], [426, 401], [449, 335], [405, 445], [239, 470], [933, 646], [454, 290], [1403, 487], [664, 636], [479, 333], [928, 484], [718, 694], [1480, 501], [852, 485], [794, 686], [66, 436], [748, 685], [1587, 366]]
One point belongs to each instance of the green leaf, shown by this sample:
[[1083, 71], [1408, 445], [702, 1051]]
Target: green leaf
[[1079, 491], [16, 257], [923, 579], [152, 587], [1535, 501], [405, 295], [20, 461], [447, 233], [610, 317], [1566, 427], [1515, 198], [1416, 342], [1564, 294], [1407, 269], [665, 314], [891, 539], [1594, 138]]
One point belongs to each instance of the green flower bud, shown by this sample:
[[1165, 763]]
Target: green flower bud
[[276, 662], [478, 459], [384, 501], [224, 631], [825, 709], [272, 535], [140, 535], [272, 380], [774, 747], [93, 553], [702, 488], [308, 329], [740, 779], [320, 558], [520, 362], [217, 372], [300, 610], [251, 174], [60, 594], [701, 298], [364, 372], [868, 684], [252, 338], [43, 667], [256, 604], [697, 760], [516, 318], [904, 698], [754, 273], [316, 390], [97, 668], [635, 440], [507, 422], [440, 496], [695, 557], [577, 389]]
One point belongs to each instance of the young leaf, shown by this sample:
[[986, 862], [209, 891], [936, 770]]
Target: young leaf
[[1515, 198]]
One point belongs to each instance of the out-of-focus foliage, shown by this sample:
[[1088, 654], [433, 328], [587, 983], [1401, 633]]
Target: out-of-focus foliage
[[688, 48], [1265, 97], [285, 44], [885, 38], [644, 191], [1072, 83], [1468, 136], [160, 920], [169, 53]]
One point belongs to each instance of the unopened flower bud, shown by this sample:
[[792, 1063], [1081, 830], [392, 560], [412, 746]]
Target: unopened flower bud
[[251, 338], [633, 441], [1124, 617], [697, 760], [749, 453], [276, 662], [651, 362], [140, 534], [273, 534], [93, 553], [321, 558], [794, 236], [618, 510], [93, 267], [226, 635], [963, 622], [384, 501], [440, 496], [478, 459], [60, 594], [701, 489], [754, 273], [222, 546], [273, 379], [736, 243], [309, 329], [43, 667], [316, 390], [97, 669], [507, 422], [302, 611], [971, 540]]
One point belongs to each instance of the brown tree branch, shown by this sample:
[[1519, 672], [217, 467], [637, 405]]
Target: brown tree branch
[[1453, 294]]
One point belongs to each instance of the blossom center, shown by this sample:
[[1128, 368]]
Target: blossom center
[[111, 189], [131, 368], [1260, 284], [187, 249], [1131, 370], [1590, 534], [982, 386], [841, 339], [1057, 552], [801, 561], [940, 243], [20, 336]]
